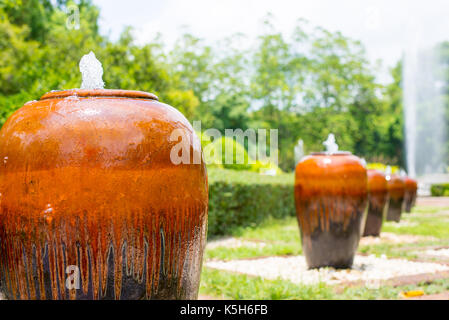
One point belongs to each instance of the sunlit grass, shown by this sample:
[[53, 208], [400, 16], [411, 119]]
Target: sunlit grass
[[285, 230], [389, 250], [226, 285], [281, 249], [425, 209], [423, 221], [281, 237]]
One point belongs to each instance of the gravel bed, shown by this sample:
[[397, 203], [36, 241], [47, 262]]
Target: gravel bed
[[235, 243], [369, 269]]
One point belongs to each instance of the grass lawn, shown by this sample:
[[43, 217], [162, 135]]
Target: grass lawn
[[281, 237], [225, 285], [423, 221]]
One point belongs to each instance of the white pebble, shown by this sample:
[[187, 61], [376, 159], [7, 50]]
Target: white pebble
[[294, 269]]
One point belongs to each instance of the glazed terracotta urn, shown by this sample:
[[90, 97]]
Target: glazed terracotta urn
[[90, 196], [377, 202], [411, 191], [396, 191], [331, 198]]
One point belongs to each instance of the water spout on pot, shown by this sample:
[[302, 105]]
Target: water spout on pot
[[92, 72], [330, 144]]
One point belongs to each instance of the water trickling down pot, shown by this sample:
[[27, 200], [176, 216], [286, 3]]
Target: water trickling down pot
[[330, 144], [331, 199], [89, 186], [92, 72]]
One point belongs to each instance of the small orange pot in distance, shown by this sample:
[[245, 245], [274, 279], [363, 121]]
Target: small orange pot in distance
[[396, 191], [377, 202], [411, 191]]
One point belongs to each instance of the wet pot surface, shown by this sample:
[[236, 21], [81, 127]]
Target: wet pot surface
[[91, 205], [331, 200]]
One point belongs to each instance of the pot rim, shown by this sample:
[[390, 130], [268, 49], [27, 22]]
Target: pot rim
[[325, 153], [107, 93]]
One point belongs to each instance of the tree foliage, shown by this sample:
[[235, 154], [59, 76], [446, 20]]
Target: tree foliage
[[306, 86]]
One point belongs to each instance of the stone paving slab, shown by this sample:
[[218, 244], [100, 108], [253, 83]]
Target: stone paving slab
[[432, 201], [392, 238], [235, 243], [417, 278], [438, 253]]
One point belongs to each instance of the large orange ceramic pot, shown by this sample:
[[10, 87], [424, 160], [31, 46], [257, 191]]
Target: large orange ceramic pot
[[411, 191], [396, 191], [87, 185], [377, 202], [331, 198]]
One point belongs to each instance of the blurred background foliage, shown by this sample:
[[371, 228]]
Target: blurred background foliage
[[306, 86]]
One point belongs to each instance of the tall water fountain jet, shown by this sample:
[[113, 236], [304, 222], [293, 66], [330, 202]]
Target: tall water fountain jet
[[424, 109]]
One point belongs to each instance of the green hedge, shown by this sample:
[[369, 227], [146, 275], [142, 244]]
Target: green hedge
[[440, 190], [241, 198]]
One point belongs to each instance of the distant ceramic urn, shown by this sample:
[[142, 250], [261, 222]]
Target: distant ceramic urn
[[377, 202], [411, 191], [92, 207], [331, 200], [396, 191]]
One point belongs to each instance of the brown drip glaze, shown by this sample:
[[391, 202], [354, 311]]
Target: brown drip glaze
[[331, 200], [411, 192], [87, 180], [377, 203], [396, 191]]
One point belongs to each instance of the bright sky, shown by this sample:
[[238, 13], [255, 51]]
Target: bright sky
[[385, 27]]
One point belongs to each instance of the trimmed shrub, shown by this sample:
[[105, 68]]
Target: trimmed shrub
[[224, 147], [231, 149], [382, 167], [242, 198], [440, 190]]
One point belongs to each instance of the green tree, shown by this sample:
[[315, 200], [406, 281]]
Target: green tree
[[306, 86], [392, 121]]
